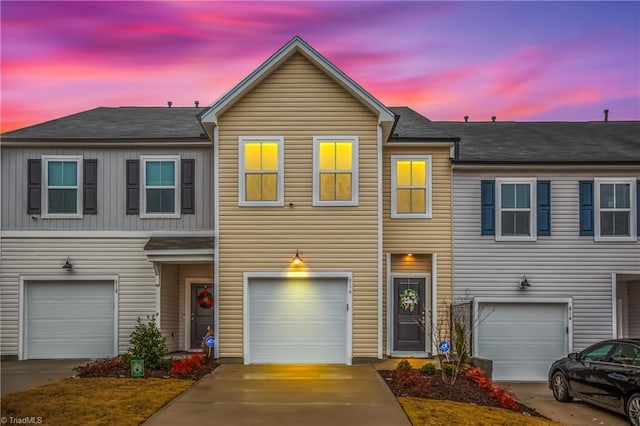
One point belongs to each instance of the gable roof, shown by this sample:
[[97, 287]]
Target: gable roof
[[129, 123], [209, 118]]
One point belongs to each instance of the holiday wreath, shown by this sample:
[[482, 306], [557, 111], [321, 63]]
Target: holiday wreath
[[409, 299], [205, 299]]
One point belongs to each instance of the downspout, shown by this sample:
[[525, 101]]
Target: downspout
[[380, 242], [216, 242]]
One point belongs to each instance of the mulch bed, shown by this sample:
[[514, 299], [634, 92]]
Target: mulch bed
[[415, 384], [114, 367]]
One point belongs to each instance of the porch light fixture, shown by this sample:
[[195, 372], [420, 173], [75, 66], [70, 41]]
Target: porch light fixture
[[67, 265], [524, 283], [297, 259]]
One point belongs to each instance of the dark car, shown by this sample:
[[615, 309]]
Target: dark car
[[606, 374]]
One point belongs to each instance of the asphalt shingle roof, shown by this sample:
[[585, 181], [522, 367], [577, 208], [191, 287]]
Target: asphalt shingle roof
[[179, 243]]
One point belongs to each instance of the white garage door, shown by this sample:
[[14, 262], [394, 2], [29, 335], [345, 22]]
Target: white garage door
[[69, 319], [297, 321], [522, 339]]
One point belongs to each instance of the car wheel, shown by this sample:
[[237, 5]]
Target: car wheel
[[633, 409], [560, 387]]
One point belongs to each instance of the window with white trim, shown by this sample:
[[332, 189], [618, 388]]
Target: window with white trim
[[615, 209], [515, 212], [62, 195], [411, 186], [160, 186], [335, 171], [261, 180]]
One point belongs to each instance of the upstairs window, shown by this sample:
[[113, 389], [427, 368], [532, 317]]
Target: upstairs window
[[515, 214], [261, 171], [615, 212], [335, 174], [63, 182], [410, 186], [161, 183]]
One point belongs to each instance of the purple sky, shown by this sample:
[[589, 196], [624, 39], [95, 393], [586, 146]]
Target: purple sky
[[523, 61]]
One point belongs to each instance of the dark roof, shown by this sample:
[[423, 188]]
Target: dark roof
[[117, 123], [179, 243]]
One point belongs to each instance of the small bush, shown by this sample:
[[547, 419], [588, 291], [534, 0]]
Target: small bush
[[188, 364], [100, 367], [449, 369], [147, 343], [428, 369], [404, 365]]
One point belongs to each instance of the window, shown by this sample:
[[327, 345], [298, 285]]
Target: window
[[627, 354], [62, 195], [335, 171], [597, 354], [261, 180], [160, 186], [515, 217], [614, 203], [410, 186]]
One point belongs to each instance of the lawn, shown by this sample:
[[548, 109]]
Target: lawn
[[94, 401]]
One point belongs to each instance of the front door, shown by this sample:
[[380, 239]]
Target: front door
[[201, 312], [409, 319]]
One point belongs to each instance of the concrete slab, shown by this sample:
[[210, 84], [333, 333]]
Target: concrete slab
[[539, 397], [241, 395], [17, 376]]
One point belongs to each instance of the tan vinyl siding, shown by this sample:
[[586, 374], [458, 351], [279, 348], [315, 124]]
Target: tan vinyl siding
[[169, 294], [297, 102], [417, 263], [421, 236], [123, 257]]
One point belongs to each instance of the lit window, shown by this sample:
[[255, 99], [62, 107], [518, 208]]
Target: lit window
[[160, 179], [615, 212], [335, 171], [515, 215], [261, 177], [62, 194], [411, 186]]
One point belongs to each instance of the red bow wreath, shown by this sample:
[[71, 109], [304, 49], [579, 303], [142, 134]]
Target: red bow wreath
[[205, 299]]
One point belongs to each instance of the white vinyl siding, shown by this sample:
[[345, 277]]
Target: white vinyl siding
[[411, 186], [515, 209], [615, 209], [563, 265], [61, 186], [261, 179], [160, 186], [335, 171]]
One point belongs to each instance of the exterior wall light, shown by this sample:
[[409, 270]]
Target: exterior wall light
[[297, 259], [524, 283], [67, 265]]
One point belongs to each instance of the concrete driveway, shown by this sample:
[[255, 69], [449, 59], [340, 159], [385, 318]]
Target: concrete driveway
[[539, 397], [239, 395], [17, 376]]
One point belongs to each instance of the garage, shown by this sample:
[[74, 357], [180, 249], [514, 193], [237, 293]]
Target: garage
[[72, 319], [303, 321], [522, 339]]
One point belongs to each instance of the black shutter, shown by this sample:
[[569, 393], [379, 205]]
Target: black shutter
[[133, 186], [90, 187], [188, 187], [34, 171], [586, 208], [543, 210], [488, 208]]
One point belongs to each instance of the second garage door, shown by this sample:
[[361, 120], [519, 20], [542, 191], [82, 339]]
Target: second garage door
[[522, 339], [297, 321]]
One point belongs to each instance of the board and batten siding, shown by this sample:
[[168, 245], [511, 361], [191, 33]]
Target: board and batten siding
[[123, 257], [563, 265], [633, 313], [298, 101], [111, 190], [421, 236]]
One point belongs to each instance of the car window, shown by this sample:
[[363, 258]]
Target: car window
[[626, 354], [598, 353]]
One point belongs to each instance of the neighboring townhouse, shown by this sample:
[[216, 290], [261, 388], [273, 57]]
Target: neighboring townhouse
[[328, 215], [546, 243]]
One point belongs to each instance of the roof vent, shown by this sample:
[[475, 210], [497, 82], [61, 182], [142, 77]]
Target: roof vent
[[606, 115], [493, 118], [466, 118], [196, 103], [169, 104]]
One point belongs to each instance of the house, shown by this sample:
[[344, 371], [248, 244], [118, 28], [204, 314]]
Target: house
[[546, 248], [301, 218]]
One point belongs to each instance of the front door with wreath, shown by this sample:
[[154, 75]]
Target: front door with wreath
[[202, 304], [409, 319]]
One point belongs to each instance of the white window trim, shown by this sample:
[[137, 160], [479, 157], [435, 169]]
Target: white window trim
[[45, 187], [394, 187], [354, 170], [143, 186], [533, 226], [633, 234], [241, 172]]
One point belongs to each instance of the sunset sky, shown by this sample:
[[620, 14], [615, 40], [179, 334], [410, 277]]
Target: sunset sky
[[525, 61]]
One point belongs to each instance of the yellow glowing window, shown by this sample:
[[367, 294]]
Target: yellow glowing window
[[261, 168], [411, 186], [335, 168]]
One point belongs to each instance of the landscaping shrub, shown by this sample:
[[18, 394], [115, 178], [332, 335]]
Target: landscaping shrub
[[100, 367], [500, 393], [449, 369], [428, 369], [188, 364], [404, 365], [146, 342]]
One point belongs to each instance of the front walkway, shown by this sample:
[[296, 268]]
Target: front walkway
[[238, 395]]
